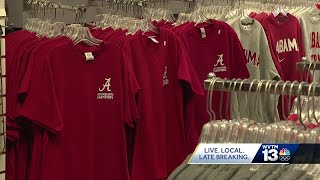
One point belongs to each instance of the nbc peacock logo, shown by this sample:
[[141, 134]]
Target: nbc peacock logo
[[284, 154]]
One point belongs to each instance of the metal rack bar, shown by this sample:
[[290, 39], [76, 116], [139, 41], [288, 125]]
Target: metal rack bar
[[49, 4], [224, 85], [311, 66]]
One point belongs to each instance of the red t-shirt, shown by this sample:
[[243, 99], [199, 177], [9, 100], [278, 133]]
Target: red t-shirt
[[13, 158], [24, 145], [33, 151], [286, 44], [260, 17], [85, 105], [20, 158], [13, 48], [162, 70], [212, 48]]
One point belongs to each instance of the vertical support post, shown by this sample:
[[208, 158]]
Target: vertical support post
[[2, 90]]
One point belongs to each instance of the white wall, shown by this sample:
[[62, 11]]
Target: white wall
[[18, 15]]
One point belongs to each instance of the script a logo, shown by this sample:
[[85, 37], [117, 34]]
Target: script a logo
[[219, 61], [219, 64], [105, 87]]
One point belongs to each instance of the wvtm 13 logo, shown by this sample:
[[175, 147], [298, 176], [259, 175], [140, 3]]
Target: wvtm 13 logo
[[272, 153]]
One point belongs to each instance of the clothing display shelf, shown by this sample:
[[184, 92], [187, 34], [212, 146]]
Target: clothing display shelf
[[2, 90], [262, 86]]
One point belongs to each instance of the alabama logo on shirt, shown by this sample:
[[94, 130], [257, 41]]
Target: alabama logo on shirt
[[105, 91], [219, 64]]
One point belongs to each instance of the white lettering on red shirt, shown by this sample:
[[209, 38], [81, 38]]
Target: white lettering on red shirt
[[287, 45], [106, 86]]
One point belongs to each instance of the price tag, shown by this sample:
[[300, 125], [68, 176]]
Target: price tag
[[89, 56], [203, 33]]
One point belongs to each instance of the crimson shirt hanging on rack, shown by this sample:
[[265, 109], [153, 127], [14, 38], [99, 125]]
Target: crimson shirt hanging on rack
[[213, 47], [39, 135], [287, 48], [17, 148], [285, 41], [13, 46], [84, 106], [164, 73]]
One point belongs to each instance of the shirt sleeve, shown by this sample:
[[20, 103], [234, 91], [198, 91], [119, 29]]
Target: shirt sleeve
[[13, 130], [305, 37], [268, 68], [307, 77], [300, 40], [186, 71], [41, 105], [238, 58], [272, 47]]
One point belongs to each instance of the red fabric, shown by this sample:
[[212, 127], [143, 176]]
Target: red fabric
[[13, 46], [260, 17], [87, 139], [16, 159], [38, 144], [286, 44], [23, 149], [163, 71], [252, 14], [221, 42]]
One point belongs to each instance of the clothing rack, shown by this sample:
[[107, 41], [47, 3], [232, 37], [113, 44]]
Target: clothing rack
[[54, 5], [308, 65], [275, 87]]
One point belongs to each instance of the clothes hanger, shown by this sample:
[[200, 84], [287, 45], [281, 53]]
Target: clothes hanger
[[283, 95], [279, 10], [215, 124], [223, 125], [313, 121], [248, 93], [275, 97], [313, 104], [246, 124], [56, 28], [234, 90], [265, 129], [204, 137], [200, 17], [294, 108], [299, 101], [236, 124], [83, 34], [244, 17], [309, 70], [267, 95], [285, 126], [228, 98], [237, 119], [221, 99], [275, 100], [258, 115]]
